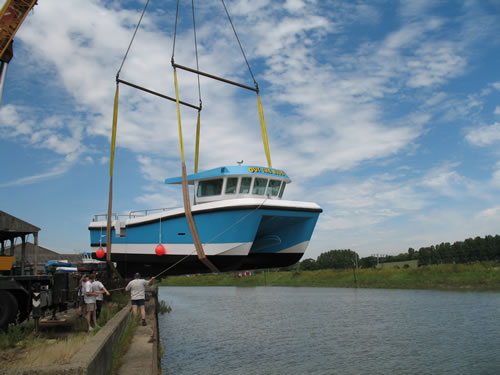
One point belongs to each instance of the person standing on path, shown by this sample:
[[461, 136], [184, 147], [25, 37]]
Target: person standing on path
[[90, 302], [98, 287], [81, 296], [137, 288]]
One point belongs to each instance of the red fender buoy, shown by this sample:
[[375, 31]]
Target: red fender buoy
[[160, 250], [100, 253]]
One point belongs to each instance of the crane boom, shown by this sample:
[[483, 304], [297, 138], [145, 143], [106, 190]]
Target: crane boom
[[12, 15]]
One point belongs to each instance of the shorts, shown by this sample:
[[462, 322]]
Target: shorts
[[90, 307], [138, 302], [81, 301]]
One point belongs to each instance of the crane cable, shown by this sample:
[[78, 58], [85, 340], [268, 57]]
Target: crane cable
[[197, 147], [241, 48], [132, 40]]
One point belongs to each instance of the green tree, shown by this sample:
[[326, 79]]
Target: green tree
[[337, 259], [308, 265], [368, 262], [411, 253]]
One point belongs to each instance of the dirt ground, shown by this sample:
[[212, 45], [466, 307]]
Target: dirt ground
[[68, 327]]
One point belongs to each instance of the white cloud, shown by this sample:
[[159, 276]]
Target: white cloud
[[294, 5], [152, 170], [409, 8], [445, 181], [493, 212], [435, 63], [363, 203], [495, 178], [61, 168], [46, 134], [497, 110], [484, 135]]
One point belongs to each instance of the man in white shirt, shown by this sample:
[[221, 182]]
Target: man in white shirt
[[81, 296], [90, 298], [98, 287], [137, 288]]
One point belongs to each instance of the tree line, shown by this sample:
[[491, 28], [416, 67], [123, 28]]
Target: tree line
[[470, 250]]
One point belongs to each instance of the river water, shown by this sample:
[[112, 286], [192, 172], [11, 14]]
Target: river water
[[278, 330]]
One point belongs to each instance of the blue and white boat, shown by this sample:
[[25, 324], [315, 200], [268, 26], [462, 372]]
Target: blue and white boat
[[242, 221]]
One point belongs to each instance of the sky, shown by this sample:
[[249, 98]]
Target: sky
[[385, 113]]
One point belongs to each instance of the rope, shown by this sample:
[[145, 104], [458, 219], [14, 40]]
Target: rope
[[176, 263], [160, 231], [132, 40], [213, 238], [241, 48], [237, 222]]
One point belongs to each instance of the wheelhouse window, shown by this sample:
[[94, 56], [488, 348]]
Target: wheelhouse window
[[245, 185], [274, 188], [282, 189], [209, 188], [231, 185], [259, 186]]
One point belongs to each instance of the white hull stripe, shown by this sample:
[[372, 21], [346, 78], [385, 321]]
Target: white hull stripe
[[235, 249], [300, 248], [238, 249]]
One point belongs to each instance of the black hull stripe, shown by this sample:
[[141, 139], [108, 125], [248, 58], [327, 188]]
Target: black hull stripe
[[152, 265]]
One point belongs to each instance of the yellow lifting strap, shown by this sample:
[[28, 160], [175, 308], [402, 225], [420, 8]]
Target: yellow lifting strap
[[113, 134], [185, 192], [264, 131], [110, 198], [181, 142], [197, 151]]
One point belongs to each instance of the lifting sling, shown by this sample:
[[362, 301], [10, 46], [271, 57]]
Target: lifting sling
[[187, 206]]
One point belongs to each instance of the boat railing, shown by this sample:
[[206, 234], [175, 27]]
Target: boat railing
[[104, 217], [140, 213], [131, 214]]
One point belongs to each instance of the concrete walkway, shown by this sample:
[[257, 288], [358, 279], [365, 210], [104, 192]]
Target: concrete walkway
[[141, 356]]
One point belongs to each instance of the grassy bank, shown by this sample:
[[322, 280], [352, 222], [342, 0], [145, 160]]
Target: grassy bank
[[21, 347], [477, 277]]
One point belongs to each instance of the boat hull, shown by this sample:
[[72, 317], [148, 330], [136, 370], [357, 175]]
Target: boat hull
[[236, 235]]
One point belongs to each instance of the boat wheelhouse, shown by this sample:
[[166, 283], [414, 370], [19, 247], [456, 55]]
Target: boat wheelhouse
[[242, 221], [236, 182]]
